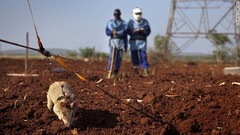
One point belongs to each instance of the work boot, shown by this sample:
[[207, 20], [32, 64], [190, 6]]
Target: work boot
[[135, 70], [145, 72], [112, 74], [115, 72]]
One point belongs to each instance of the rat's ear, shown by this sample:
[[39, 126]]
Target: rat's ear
[[63, 104]]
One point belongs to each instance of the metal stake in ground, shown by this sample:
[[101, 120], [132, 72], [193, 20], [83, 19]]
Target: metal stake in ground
[[47, 53], [26, 63], [26, 57]]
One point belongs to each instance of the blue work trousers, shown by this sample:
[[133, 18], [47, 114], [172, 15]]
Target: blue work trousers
[[118, 53], [139, 57]]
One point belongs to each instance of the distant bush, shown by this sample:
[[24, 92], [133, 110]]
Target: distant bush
[[102, 55], [87, 52], [72, 53], [155, 57]]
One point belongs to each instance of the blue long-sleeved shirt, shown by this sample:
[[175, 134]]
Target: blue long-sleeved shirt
[[118, 40], [138, 40]]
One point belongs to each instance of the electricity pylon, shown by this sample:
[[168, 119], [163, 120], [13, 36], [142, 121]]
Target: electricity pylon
[[192, 20]]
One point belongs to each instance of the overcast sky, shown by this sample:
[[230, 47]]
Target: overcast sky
[[74, 24]]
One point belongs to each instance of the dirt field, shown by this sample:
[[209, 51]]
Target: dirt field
[[177, 98]]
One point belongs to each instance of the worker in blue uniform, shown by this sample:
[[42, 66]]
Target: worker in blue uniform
[[138, 30], [116, 29]]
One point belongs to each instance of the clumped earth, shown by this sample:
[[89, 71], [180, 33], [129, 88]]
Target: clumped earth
[[176, 98]]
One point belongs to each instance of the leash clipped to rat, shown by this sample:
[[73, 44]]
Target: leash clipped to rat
[[46, 53]]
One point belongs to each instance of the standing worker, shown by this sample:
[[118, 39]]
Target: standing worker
[[139, 29], [117, 30]]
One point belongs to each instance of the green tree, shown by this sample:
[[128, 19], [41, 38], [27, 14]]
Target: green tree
[[161, 51], [160, 42], [87, 52], [219, 41]]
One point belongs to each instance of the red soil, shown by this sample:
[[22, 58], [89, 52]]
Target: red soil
[[186, 98]]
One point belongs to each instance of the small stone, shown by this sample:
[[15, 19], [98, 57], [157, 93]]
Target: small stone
[[144, 121], [215, 132]]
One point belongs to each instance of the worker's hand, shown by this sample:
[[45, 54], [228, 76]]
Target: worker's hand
[[113, 32], [139, 30], [125, 49]]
